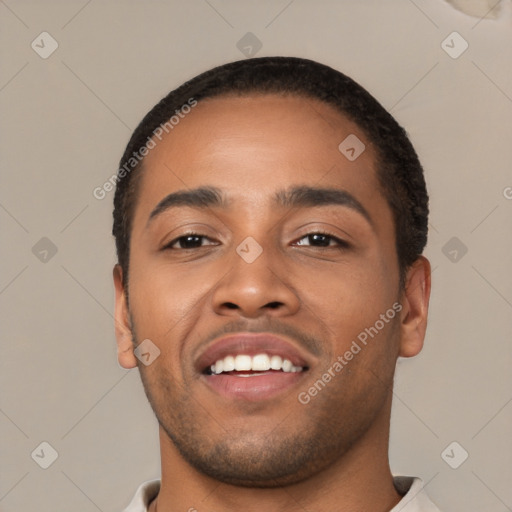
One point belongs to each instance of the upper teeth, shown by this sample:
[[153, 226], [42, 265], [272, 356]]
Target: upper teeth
[[257, 363]]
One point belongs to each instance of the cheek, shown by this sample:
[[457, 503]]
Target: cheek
[[161, 299], [349, 304]]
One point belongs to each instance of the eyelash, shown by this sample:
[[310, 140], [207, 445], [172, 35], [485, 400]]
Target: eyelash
[[342, 244]]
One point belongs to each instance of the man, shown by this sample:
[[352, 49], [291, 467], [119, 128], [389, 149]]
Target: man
[[269, 218]]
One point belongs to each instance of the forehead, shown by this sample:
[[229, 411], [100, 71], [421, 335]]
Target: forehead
[[258, 141]]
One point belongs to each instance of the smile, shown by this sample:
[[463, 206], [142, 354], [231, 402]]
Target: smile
[[248, 366], [252, 366]]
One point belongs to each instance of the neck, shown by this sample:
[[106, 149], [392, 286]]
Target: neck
[[360, 480]]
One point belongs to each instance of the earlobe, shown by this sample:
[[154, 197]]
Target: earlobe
[[415, 299], [123, 331]]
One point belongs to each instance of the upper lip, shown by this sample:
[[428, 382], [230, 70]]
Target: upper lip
[[251, 344]]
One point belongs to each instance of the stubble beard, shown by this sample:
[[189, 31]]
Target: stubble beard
[[295, 450]]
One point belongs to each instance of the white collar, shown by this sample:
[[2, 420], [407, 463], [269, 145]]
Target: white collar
[[414, 497]]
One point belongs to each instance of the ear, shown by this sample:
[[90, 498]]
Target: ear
[[125, 354], [414, 312]]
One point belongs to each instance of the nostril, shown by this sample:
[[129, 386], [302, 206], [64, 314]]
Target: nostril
[[230, 305], [274, 305]]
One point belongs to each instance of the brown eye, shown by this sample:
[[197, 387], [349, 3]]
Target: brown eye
[[188, 241], [322, 240]]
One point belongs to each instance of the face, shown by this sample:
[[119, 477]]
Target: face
[[290, 239]]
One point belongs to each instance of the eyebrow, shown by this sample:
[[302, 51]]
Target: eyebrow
[[202, 197], [293, 197], [308, 197]]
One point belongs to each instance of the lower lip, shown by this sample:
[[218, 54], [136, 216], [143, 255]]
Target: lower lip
[[255, 387]]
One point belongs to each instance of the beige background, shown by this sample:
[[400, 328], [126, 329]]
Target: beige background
[[65, 121]]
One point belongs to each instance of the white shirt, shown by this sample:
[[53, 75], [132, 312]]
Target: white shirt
[[414, 500]]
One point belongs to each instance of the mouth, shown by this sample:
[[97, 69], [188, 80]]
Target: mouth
[[252, 366], [249, 366]]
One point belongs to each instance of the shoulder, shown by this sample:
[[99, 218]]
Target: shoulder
[[415, 498], [145, 493]]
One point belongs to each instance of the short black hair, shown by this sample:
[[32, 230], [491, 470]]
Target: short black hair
[[398, 168]]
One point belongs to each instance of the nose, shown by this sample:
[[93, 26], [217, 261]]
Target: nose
[[257, 288]]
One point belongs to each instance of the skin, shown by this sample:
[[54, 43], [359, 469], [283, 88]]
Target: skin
[[276, 454]]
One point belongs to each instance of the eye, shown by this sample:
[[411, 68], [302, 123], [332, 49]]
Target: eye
[[320, 239], [188, 241]]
